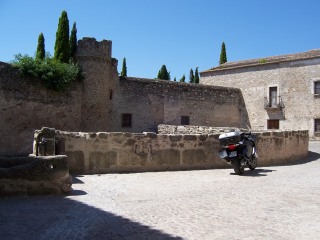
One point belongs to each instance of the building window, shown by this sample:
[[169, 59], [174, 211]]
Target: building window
[[317, 125], [273, 124], [126, 120], [316, 87], [110, 94], [273, 95], [185, 120]]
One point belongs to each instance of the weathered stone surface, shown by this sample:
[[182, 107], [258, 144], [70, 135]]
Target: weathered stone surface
[[169, 157], [44, 142], [34, 175], [175, 138], [76, 161], [128, 162], [190, 137], [102, 160], [193, 157], [143, 152], [191, 129], [293, 76]]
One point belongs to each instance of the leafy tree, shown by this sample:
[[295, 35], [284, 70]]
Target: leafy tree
[[163, 73], [183, 79], [73, 42], [175, 79], [124, 68], [196, 76], [61, 47], [223, 54], [40, 48], [191, 76]]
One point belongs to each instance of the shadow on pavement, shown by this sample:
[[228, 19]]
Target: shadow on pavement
[[76, 180], [57, 217], [312, 156], [258, 172]]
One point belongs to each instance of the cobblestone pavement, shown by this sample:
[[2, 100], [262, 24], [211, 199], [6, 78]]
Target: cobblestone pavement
[[278, 202]]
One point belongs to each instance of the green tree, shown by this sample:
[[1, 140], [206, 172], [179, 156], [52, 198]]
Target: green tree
[[223, 54], [73, 42], [196, 76], [61, 47], [183, 79], [175, 79], [40, 55], [124, 68], [163, 73], [191, 76]]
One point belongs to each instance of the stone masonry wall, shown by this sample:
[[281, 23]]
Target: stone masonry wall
[[191, 129], [25, 105], [294, 81], [100, 76], [90, 153], [152, 102]]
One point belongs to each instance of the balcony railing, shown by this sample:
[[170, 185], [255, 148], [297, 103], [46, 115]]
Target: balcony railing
[[273, 103]]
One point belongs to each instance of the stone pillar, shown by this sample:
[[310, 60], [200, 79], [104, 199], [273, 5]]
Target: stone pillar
[[44, 142]]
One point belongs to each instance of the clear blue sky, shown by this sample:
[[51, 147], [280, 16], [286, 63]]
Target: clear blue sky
[[182, 34]]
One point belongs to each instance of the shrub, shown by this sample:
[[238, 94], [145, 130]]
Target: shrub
[[53, 74]]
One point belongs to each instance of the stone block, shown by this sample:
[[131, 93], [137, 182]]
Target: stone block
[[175, 138], [102, 160], [193, 157], [169, 157], [76, 162], [190, 137], [34, 175]]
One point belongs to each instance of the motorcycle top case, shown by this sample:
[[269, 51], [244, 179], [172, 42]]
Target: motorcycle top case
[[229, 138]]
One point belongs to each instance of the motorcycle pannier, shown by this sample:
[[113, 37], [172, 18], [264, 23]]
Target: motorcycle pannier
[[229, 138]]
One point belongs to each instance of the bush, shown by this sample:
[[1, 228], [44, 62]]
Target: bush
[[53, 74]]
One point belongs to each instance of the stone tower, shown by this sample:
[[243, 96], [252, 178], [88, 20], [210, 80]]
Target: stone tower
[[100, 78]]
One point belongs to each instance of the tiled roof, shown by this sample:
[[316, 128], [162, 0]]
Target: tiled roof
[[267, 60]]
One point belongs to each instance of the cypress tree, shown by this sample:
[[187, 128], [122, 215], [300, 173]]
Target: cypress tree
[[73, 42], [124, 68], [61, 47], [163, 73], [40, 48], [196, 76], [223, 54], [191, 76], [183, 79]]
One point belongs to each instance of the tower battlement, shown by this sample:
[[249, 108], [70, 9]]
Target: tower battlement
[[92, 49]]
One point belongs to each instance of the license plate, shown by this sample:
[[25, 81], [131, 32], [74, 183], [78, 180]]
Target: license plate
[[233, 154]]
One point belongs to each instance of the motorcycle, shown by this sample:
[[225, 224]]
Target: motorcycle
[[239, 150]]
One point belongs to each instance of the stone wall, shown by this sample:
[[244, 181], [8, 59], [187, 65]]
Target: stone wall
[[295, 84], [90, 153], [97, 104], [192, 129], [25, 105], [100, 77], [152, 102]]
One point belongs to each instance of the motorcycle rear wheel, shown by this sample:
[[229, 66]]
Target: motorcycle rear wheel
[[238, 169], [254, 163]]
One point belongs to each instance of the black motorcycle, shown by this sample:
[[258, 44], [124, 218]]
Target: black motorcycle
[[239, 150]]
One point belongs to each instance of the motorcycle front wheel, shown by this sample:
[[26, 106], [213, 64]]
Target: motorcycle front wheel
[[238, 169]]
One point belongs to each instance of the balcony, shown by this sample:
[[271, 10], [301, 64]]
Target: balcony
[[275, 103]]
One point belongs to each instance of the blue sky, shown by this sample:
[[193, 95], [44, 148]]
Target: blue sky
[[182, 34]]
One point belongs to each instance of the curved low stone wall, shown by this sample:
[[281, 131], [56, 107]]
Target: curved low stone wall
[[34, 175], [90, 153]]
